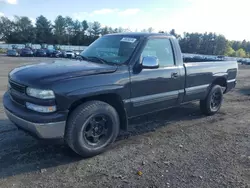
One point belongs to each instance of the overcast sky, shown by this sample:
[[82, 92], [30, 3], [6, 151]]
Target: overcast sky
[[227, 17]]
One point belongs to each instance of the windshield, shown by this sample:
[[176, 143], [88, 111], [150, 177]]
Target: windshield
[[112, 49]]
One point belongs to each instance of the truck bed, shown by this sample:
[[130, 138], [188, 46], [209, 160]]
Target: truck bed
[[200, 75]]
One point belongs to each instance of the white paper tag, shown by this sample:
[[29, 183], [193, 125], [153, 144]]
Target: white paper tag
[[130, 40]]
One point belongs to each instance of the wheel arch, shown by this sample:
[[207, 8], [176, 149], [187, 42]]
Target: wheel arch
[[221, 81], [112, 99]]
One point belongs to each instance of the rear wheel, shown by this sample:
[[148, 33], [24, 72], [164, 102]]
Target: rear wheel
[[91, 128], [212, 103]]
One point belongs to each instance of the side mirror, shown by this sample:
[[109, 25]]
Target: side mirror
[[150, 62]]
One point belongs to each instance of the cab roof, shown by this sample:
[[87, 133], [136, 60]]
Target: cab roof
[[139, 34]]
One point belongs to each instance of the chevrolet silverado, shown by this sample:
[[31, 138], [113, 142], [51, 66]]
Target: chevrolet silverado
[[119, 76]]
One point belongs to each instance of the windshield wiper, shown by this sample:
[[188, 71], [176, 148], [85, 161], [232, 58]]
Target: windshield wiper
[[103, 61], [100, 60]]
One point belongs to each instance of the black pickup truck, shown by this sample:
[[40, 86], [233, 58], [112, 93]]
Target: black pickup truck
[[120, 76]]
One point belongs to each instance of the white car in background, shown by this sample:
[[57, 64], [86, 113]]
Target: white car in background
[[77, 53], [69, 54]]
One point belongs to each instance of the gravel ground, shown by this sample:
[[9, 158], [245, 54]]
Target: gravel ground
[[174, 148]]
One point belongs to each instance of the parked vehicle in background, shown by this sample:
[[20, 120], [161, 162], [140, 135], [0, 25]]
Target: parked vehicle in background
[[49, 52], [12, 52], [26, 52], [41, 53], [239, 60], [245, 61], [56, 53], [221, 57], [200, 59], [69, 54], [77, 53], [30, 46], [120, 76], [78, 57], [14, 47]]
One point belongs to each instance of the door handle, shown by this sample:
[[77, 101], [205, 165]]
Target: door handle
[[174, 75]]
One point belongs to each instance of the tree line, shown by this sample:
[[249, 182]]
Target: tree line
[[65, 30], [212, 44]]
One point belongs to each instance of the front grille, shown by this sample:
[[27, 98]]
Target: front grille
[[17, 87], [18, 100], [16, 92]]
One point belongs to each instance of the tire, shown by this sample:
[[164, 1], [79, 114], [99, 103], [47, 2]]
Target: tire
[[212, 103], [81, 128]]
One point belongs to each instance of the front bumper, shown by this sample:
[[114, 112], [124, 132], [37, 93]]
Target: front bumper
[[41, 130], [45, 126], [230, 85]]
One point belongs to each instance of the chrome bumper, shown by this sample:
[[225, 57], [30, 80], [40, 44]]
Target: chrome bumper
[[41, 130]]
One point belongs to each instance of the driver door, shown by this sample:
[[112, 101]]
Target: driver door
[[156, 89]]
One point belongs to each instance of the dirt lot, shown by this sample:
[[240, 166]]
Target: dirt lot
[[174, 148]]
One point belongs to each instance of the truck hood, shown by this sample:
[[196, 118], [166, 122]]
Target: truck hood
[[57, 70]]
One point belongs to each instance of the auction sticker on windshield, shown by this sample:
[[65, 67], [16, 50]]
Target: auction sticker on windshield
[[130, 40]]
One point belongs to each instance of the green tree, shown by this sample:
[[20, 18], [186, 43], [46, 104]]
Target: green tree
[[236, 45], [127, 30], [105, 30], [191, 43], [172, 32], [150, 30], [116, 30], [248, 47], [60, 30], [208, 44], [229, 51], [220, 45], [121, 30], [23, 31], [85, 26], [6, 29], [69, 29], [240, 53], [84, 29], [110, 30], [244, 44], [43, 30], [95, 29], [76, 32]]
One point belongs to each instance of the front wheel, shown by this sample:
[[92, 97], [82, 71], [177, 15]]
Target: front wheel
[[91, 128], [212, 103]]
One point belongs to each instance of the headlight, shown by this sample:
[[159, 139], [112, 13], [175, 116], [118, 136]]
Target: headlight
[[39, 93], [38, 108]]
